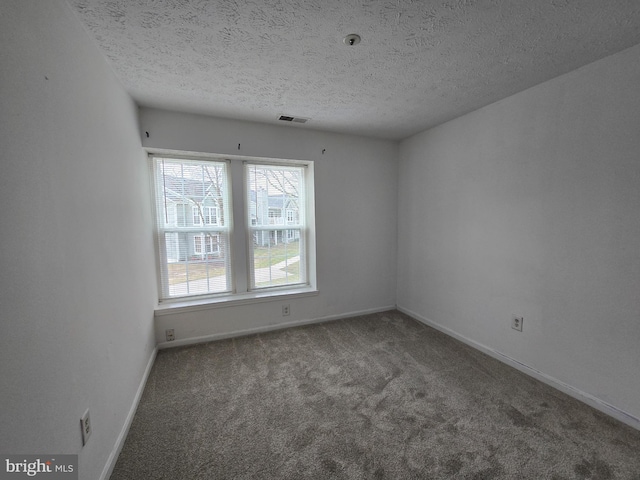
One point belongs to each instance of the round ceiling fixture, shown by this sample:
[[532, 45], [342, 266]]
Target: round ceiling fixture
[[352, 39]]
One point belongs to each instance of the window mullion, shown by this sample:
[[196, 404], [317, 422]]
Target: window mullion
[[239, 236]]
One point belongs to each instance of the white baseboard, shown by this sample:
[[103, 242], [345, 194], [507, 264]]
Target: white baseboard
[[113, 457], [267, 328], [584, 397]]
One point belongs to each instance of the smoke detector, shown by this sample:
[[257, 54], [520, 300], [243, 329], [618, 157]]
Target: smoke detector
[[352, 39]]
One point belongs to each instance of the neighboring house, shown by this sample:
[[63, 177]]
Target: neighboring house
[[191, 204], [276, 210]]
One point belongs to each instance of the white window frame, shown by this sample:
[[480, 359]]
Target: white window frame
[[240, 235], [215, 285], [213, 244], [197, 244], [209, 213], [275, 224], [208, 241], [195, 215]]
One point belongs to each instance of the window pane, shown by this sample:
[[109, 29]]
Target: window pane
[[274, 192], [276, 258], [196, 264], [192, 194], [275, 197], [194, 190]]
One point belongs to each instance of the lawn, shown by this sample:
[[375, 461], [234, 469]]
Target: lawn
[[197, 271], [263, 257], [267, 256]]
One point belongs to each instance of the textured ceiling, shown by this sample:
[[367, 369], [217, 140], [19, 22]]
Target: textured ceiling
[[420, 63]]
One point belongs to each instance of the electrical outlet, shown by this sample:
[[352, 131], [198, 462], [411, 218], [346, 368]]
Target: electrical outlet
[[171, 335], [516, 322], [285, 310], [86, 427]]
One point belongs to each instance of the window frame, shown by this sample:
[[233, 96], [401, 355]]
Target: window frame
[[201, 240], [239, 225], [197, 244], [208, 215], [195, 214], [276, 222], [186, 226]]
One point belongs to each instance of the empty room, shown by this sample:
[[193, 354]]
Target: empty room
[[383, 239]]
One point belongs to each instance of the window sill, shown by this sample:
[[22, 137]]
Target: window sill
[[232, 300]]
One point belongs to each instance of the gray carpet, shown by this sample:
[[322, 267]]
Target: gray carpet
[[374, 397]]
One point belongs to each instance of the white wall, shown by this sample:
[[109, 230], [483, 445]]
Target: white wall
[[532, 206], [76, 290], [356, 205]]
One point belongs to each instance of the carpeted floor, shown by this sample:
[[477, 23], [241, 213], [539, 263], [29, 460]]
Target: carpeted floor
[[379, 396]]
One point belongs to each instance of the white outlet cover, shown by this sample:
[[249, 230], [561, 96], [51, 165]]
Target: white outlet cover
[[516, 322], [86, 427]]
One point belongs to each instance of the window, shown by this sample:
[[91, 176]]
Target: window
[[277, 254], [269, 248], [193, 257], [197, 243], [206, 244], [210, 215], [196, 215]]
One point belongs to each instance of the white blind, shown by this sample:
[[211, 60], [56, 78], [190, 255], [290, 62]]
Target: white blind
[[192, 226]]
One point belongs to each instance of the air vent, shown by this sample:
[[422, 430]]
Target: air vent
[[289, 118]]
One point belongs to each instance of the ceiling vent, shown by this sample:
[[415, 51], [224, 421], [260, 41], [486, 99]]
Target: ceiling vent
[[289, 118]]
